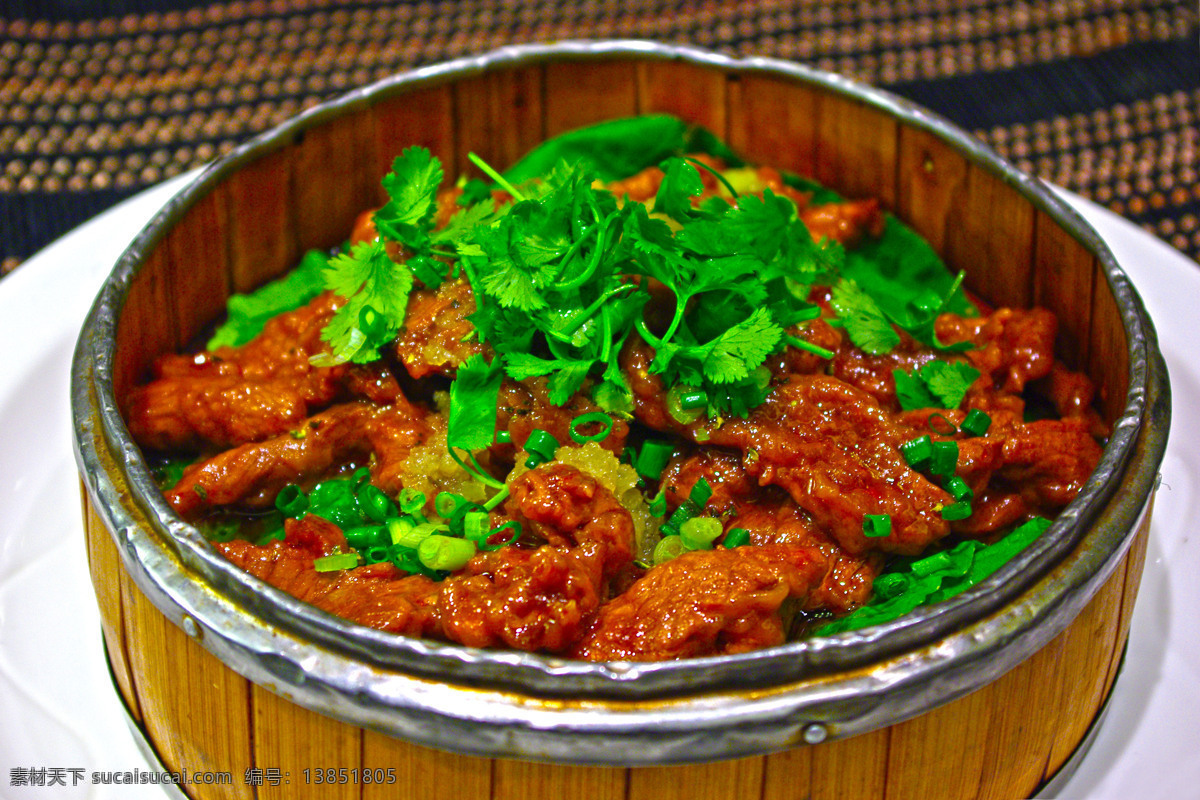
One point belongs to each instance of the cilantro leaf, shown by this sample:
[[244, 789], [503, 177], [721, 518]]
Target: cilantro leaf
[[863, 319], [938, 384], [681, 182], [412, 186], [473, 396], [949, 381], [376, 290], [742, 348], [912, 392], [566, 380]]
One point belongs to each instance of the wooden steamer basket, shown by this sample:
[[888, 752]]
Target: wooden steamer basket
[[986, 695]]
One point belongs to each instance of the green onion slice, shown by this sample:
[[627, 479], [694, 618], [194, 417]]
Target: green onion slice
[[540, 446], [918, 452], [445, 553], [653, 458], [736, 537], [335, 562], [291, 501], [668, 547], [699, 533], [977, 422], [876, 526], [604, 420]]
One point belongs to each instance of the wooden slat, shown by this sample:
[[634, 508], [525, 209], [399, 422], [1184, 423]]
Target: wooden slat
[[198, 260], [1087, 651], [333, 179], [990, 234], [694, 94], [851, 768], [579, 93], [520, 780], [1108, 356], [420, 772], [939, 754], [422, 118], [1023, 726], [1134, 565], [293, 739], [262, 244], [858, 149], [104, 564], [790, 140], [146, 328], [788, 774], [1062, 282], [932, 179], [716, 781], [192, 704], [498, 117]]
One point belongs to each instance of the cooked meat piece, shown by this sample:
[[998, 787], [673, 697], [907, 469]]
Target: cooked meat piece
[[437, 336], [847, 583], [706, 602], [235, 395], [378, 596], [721, 468], [836, 452], [846, 222], [252, 474], [534, 600], [221, 411], [1013, 346]]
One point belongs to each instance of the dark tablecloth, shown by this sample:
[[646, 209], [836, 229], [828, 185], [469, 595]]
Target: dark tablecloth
[[102, 98]]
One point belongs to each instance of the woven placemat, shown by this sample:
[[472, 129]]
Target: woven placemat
[[100, 100]]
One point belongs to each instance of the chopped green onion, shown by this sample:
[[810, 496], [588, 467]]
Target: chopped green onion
[[413, 538], [398, 527], [686, 510], [948, 430], [945, 458], [667, 548], [335, 562], [877, 525], [475, 525], [540, 446], [374, 503], [367, 536], [977, 422], [693, 399], [653, 458], [701, 492], [605, 421], [448, 504], [699, 533], [512, 525], [937, 562], [445, 553], [411, 501], [658, 506], [375, 555], [503, 437], [291, 501], [918, 452], [736, 537], [959, 489], [684, 416], [957, 511]]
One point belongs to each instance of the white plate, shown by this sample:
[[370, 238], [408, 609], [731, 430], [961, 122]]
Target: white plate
[[58, 709]]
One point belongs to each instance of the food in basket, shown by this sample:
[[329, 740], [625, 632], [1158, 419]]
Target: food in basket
[[631, 399]]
